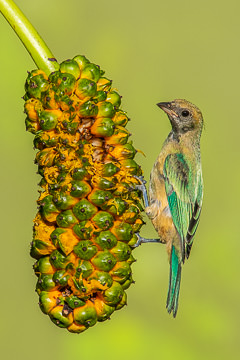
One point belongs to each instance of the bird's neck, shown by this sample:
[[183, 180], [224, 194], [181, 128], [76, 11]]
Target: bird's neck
[[190, 139]]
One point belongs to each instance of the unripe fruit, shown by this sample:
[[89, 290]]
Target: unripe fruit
[[89, 212]]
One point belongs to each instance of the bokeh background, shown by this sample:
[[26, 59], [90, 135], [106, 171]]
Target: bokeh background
[[154, 51]]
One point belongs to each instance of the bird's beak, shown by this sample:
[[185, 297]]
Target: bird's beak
[[167, 107]]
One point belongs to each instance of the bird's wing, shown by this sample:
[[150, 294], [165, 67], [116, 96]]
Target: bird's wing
[[195, 217], [184, 202]]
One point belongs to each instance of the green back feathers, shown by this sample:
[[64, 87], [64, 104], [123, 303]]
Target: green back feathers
[[183, 199]]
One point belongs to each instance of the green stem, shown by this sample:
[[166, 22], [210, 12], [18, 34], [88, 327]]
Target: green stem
[[33, 42]]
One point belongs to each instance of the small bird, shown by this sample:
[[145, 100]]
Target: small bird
[[176, 190]]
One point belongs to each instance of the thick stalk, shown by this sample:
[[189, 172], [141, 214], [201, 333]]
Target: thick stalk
[[33, 42]]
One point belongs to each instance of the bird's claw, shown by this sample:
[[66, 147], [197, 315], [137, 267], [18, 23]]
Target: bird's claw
[[140, 186], [139, 241], [141, 179]]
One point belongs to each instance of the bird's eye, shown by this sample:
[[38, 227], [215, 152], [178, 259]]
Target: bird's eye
[[185, 113]]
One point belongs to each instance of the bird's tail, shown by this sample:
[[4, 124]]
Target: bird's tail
[[174, 283]]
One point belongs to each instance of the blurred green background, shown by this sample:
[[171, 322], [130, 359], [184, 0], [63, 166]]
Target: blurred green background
[[154, 51]]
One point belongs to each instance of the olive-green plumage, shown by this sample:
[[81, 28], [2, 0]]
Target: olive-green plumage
[[176, 189]]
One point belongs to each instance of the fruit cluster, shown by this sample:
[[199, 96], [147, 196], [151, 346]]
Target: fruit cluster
[[89, 212]]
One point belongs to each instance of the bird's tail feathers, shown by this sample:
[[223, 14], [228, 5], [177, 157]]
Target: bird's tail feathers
[[174, 283]]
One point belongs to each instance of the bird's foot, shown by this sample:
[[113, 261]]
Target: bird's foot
[[142, 188], [141, 179], [142, 240]]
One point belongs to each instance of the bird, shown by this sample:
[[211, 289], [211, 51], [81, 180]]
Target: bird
[[176, 190]]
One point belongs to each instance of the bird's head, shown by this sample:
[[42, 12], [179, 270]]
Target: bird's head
[[183, 115]]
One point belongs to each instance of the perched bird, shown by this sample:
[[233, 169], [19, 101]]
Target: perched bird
[[176, 190]]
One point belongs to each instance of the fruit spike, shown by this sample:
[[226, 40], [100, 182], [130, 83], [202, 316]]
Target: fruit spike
[[84, 231]]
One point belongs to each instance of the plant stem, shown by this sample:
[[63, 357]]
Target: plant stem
[[33, 42]]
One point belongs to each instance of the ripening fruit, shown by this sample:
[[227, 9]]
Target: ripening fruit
[[89, 212]]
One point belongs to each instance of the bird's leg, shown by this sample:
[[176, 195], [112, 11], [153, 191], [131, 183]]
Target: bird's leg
[[142, 240], [143, 189]]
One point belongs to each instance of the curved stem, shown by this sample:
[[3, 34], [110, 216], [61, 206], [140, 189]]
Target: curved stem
[[33, 42]]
